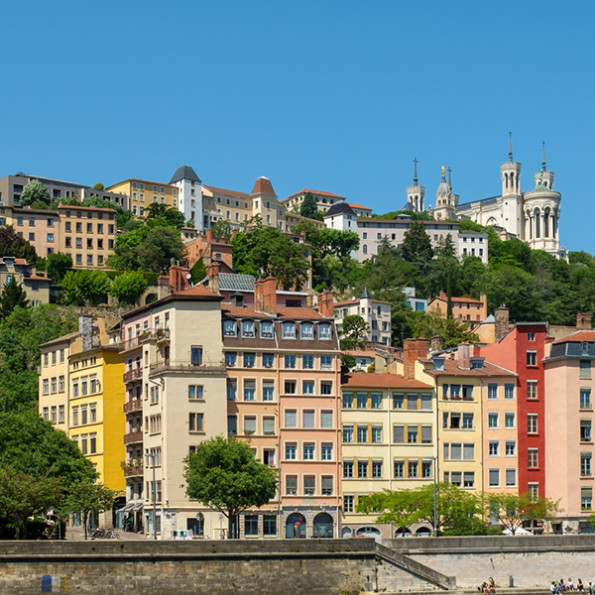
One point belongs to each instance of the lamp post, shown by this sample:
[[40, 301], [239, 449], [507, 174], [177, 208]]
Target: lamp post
[[435, 465], [153, 493]]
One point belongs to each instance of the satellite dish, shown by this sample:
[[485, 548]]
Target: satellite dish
[[188, 276]]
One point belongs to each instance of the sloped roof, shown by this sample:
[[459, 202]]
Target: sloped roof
[[263, 186], [452, 367], [340, 207], [381, 380], [236, 282], [185, 172], [317, 192], [583, 335], [216, 190]]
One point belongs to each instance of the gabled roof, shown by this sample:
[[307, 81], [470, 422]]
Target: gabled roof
[[184, 172], [579, 336], [381, 380]]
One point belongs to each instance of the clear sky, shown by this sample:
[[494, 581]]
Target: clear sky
[[330, 95]]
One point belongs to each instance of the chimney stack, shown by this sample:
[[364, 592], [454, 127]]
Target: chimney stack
[[213, 272], [265, 295], [584, 320], [502, 321], [464, 355], [413, 349], [436, 343], [209, 236], [326, 304], [178, 279]]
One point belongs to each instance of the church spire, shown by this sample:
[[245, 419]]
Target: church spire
[[415, 180], [449, 179], [543, 168], [510, 146]]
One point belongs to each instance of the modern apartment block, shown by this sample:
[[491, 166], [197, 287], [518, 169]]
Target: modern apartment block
[[389, 442]]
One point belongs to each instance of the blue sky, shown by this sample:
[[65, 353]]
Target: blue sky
[[331, 95]]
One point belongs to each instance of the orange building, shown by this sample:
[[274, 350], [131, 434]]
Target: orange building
[[463, 308]]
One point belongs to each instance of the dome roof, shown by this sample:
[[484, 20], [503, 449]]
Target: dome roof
[[338, 208], [443, 188]]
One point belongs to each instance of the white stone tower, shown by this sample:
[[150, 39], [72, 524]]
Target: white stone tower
[[446, 200], [511, 201], [415, 193], [189, 195]]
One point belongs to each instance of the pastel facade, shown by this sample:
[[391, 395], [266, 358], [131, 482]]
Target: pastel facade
[[465, 309], [142, 193], [37, 287]]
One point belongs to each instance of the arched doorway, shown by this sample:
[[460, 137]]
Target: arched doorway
[[295, 526], [323, 525], [423, 532], [346, 532], [369, 532], [402, 532]]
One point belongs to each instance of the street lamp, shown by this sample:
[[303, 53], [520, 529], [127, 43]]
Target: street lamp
[[435, 494], [154, 494]]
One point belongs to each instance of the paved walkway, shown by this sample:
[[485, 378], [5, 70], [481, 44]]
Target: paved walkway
[[78, 534]]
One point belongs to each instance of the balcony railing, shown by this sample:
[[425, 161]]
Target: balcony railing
[[133, 437], [132, 470], [160, 334], [132, 374], [134, 405], [205, 367]]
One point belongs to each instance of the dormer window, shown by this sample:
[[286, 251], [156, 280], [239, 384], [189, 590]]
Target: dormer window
[[289, 330], [266, 329], [325, 332], [477, 363], [306, 330], [247, 328], [229, 328]]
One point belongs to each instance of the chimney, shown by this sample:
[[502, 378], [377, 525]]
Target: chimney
[[269, 294], [326, 303], [209, 236], [86, 331], [177, 278], [413, 349], [464, 355], [436, 343], [258, 295], [501, 317], [584, 320], [483, 298], [213, 272]]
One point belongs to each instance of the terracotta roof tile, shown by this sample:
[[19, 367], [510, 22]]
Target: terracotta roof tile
[[381, 380], [319, 192], [263, 186], [583, 335], [452, 367], [216, 190]]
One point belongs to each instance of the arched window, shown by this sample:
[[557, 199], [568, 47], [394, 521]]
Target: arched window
[[323, 525], [537, 215], [295, 526]]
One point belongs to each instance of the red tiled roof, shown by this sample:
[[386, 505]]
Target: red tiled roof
[[357, 353], [452, 367], [224, 191], [248, 312], [263, 186], [81, 208], [319, 192], [584, 335], [381, 380], [197, 290], [280, 312], [464, 300], [354, 206], [299, 313]]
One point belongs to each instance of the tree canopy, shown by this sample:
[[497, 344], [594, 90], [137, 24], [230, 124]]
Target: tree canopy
[[309, 208], [354, 330], [35, 195], [128, 287], [12, 295], [11, 244], [224, 475], [85, 286]]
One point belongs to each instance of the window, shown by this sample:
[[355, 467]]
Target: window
[[362, 469], [195, 422], [399, 434], [268, 390], [54, 414], [533, 490], [290, 387], [249, 360], [398, 401], [586, 498], [492, 420], [266, 329], [326, 387], [290, 418], [585, 464], [468, 479], [309, 485], [326, 452], [362, 433], [532, 458], [399, 469], [585, 430], [249, 426], [195, 391], [531, 389], [494, 478], [376, 434], [467, 421], [426, 402], [84, 444], [249, 390], [510, 478], [376, 400], [306, 330], [509, 420], [585, 368], [268, 426], [308, 387], [362, 400], [324, 332], [531, 358], [308, 362], [585, 398], [327, 485], [269, 525], [412, 434], [347, 400], [75, 416], [291, 485], [268, 360], [412, 469], [326, 362], [60, 414], [308, 452], [232, 425], [231, 359], [232, 389], [196, 356], [493, 448], [492, 391], [308, 418], [531, 336], [509, 391], [347, 433], [289, 360], [288, 330], [347, 469], [326, 419], [532, 427], [290, 451], [348, 501], [230, 328], [84, 417], [46, 386], [247, 328]]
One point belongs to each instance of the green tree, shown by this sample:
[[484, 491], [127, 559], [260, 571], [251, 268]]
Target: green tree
[[416, 244], [198, 271], [35, 194], [511, 510], [222, 229], [451, 332], [87, 498], [161, 246], [128, 287], [309, 209], [57, 265], [447, 271], [98, 186], [12, 295], [85, 286], [348, 362], [225, 476], [172, 216], [354, 330], [23, 496], [11, 244]]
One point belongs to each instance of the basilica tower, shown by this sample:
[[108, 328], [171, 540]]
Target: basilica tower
[[512, 197]]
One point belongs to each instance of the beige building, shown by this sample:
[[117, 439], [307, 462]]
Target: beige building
[[37, 287], [39, 227], [142, 193]]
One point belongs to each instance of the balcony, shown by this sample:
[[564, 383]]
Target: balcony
[[133, 437], [133, 470], [184, 367], [160, 335], [134, 405], [130, 344], [132, 374]]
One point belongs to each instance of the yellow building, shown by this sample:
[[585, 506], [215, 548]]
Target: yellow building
[[389, 443], [142, 193]]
